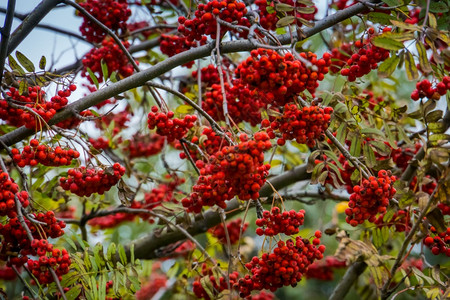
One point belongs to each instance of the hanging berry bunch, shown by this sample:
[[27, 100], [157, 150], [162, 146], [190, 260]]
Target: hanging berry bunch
[[370, 198], [205, 22], [276, 222], [84, 182], [218, 285], [401, 220], [424, 89], [113, 14], [36, 153], [323, 270], [171, 45], [144, 145], [111, 54], [166, 125], [304, 125], [234, 231], [8, 191], [440, 243], [232, 171], [33, 99], [286, 265]]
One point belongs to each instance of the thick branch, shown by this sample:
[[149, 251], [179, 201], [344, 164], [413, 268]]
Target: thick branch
[[348, 280], [5, 31], [31, 22]]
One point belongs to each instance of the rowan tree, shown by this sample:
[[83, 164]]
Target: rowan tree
[[228, 149]]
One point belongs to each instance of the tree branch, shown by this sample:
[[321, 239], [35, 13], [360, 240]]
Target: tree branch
[[5, 31], [348, 280]]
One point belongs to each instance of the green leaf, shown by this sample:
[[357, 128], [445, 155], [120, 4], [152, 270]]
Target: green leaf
[[184, 109], [93, 77], [355, 146], [439, 137], [306, 10], [403, 136], [73, 293], [410, 66], [380, 147], [42, 63], [341, 133], [386, 68], [381, 18], [434, 116], [438, 7], [437, 127], [22, 87], [337, 172], [132, 254], [390, 135], [405, 26], [284, 7], [122, 254], [285, 21], [423, 58], [393, 2], [387, 43], [306, 2], [111, 252], [25, 62], [98, 255], [369, 155], [373, 131], [270, 9], [333, 157], [15, 66], [104, 69]]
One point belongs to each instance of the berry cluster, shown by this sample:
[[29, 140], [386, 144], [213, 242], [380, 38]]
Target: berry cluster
[[173, 129], [113, 14], [304, 125], [277, 79], [49, 257], [8, 191], [153, 284], [276, 222], [233, 228], [209, 75], [7, 273], [144, 145], [111, 54], [401, 220], [424, 89], [33, 99], [74, 121], [205, 23], [171, 45], [323, 270], [36, 153], [370, 198], [440, 243], [445, 209], [84, 182], [120, 119], [232, 171], [15, 245], [100, 144], [218, 285], [269, 20], [263, 296], [286, 265]]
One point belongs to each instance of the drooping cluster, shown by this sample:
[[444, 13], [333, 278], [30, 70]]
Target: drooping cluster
[[36, 153], [233, 228], [209, 75], [401, 220], [171, 45], [232, 171], [110, 54], [323, 270], [49, 258], [424, 89], [285, 266], [205, 23], [304, 125], [113, 14], [34, 100], [275, 222], [144, 145], [86, 181], [7, 273], [216, 286], [439, 243], [8, 191], [74, 121], [166, 125], [361, 63], [370, 198], [100, 144], [277, 79]]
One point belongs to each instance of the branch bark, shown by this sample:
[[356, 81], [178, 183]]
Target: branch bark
[[5, 31], [348, 280]]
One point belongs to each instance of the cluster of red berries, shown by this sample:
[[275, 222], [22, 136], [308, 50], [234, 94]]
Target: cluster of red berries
[[205, 23], [218, 285], [144, 145], [370, 198], [36, 153], [425, 89], [153, 284], [120, 119], [209, 75], [286, 265], [445, 209], [74, 121], [304, 125], [15, 245], [111, 54], [166, 125], [358, 64], [412, 262], [34, 99], [8, 191], [171, 45], [276, 222], [323, 270], [7, 273], [233, 228], [269, 20], [232, 171], [277, 79], [401, 220], [209, 143], [427, 188], [113, 14], [263, 295], [84, 182], [341, 4], [49, 258], [100, 144], [440, 243]]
